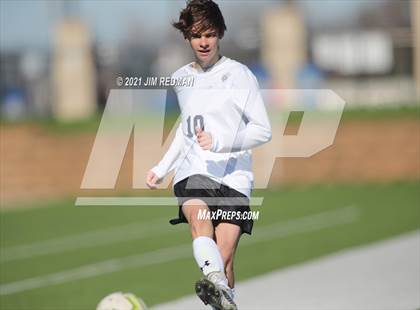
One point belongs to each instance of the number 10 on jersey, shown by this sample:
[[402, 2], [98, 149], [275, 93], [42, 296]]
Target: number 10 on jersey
[[197, 121]]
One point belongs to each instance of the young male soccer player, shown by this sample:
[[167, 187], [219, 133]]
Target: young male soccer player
[[223, 118]]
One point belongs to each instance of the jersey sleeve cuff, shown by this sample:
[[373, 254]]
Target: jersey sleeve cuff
[[159, 172]]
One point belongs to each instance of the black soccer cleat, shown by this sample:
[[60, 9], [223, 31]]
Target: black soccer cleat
[[214, 295]]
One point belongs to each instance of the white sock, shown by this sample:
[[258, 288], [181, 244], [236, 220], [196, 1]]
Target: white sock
[[232, 292], [207, 255]]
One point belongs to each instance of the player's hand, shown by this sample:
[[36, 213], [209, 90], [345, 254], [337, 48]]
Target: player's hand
[[204, 138], [152, 180]]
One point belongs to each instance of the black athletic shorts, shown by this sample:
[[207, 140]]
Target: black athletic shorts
[[213, 193]]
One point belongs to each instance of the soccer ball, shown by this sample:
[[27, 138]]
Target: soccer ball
[[121, 301]]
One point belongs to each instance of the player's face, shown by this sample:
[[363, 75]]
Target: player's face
[[205, 47]]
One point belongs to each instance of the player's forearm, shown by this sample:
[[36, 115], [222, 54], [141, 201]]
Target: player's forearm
[[166, 165], [168, 162], [252, 136]]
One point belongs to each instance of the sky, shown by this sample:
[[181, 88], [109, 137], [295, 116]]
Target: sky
[[29, 23]]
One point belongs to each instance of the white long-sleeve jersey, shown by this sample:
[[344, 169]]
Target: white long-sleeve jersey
[[226, 102]]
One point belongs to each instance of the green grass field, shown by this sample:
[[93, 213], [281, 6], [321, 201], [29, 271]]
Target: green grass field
[[60, 256]]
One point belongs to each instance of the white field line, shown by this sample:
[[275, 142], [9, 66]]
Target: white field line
[[276, 230], [134, 231], [305, 224], [161, 201], [96, 269]]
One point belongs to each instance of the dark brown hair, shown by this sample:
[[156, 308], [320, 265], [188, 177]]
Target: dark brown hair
[[202, 15]]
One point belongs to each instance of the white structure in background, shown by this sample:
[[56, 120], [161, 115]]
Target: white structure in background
[[74, 82], [366, 52], [364, 61], [283, 44]]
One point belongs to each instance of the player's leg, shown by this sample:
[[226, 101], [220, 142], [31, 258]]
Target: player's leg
[[198, 227], [213, 289], [206, 252], [227, 237]]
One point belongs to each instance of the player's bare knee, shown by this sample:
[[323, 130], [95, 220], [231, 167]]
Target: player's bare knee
[[200, 227], [191, 209]]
